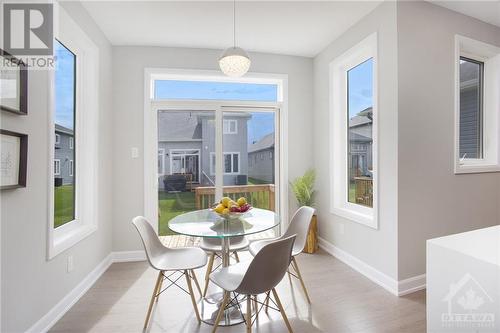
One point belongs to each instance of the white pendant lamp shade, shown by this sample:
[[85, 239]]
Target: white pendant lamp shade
[[234, 62]]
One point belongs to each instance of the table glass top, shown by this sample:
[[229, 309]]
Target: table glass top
[[205, 223]]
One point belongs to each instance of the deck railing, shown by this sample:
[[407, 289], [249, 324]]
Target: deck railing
[[364, 191], [259, 196]]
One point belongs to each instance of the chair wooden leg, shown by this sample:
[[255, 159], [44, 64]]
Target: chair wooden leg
[[207, 274], [158, 289], [296, 267], [153, 297], [196, 281], [221, 311], [191, 293], [268, 294], [282, 310], [236, 256], [249, 314]]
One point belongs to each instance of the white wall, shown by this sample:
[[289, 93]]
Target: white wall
[[378, 248], [31, 285], [128, 100], [433, 201]]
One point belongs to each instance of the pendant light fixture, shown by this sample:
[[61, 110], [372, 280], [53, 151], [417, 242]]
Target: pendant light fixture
[[234, 61]]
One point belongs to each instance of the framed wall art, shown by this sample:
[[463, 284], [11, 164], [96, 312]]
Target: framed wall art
[[14, 159], [13, 84]]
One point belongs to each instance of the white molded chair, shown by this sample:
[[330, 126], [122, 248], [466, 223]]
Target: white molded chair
[[257, 276], [183, 260], [299, 226], [214, 247]]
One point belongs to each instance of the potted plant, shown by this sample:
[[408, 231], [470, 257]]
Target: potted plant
[[303, 188]]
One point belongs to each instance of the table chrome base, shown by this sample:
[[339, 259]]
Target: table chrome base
[[210, 305]]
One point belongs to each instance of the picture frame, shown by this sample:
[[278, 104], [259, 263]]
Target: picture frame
[[14, 83], [13, 159]]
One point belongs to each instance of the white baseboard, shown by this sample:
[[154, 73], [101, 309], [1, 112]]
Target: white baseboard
[[410, 285], [48, 320], [398, 288], [128, 256]]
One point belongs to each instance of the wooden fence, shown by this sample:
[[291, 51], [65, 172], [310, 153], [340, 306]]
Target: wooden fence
[[364, 191], [259, 196]]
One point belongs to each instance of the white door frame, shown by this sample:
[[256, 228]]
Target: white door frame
[[152, 106]]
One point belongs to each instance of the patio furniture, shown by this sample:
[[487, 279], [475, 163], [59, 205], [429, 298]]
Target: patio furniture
[[176, 183], [255, 277], [299, 225], [181, 260], [214, 247], [208, 224]]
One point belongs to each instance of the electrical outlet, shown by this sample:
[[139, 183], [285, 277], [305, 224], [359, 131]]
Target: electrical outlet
[[342, 228], [134, 152], [70, 264]]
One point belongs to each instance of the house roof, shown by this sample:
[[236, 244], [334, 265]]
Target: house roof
[[62, 129], [265, 142], [179, 126], [362, 118]]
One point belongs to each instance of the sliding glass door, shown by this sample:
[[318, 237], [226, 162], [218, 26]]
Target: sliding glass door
[[195, 147]]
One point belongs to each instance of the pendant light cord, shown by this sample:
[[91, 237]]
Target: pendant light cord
[[234, 23]]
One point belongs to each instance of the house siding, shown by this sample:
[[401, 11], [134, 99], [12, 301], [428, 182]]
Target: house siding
[[64, 154], [261, 165]]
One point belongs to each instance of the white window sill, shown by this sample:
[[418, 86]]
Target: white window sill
[[365, 219], [64, 239], [476, 168]]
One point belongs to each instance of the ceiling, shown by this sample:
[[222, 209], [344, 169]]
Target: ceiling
[[302, 28], [487, 11]]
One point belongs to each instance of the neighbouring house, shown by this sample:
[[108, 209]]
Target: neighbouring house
[[360, 138], [186, 145], [64, 155], [261, 159]]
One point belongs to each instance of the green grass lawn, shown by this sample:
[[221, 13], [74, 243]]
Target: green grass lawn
[[171, 205], [63, 205]]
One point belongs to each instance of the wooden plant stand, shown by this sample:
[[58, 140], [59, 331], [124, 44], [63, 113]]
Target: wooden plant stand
[[312, 236]]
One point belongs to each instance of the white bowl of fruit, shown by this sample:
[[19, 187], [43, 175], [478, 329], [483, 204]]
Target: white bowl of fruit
[[229, 208]]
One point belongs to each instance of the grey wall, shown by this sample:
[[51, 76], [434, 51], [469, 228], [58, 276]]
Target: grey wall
[[378, 248], [433, 201], [30, 284], [128, 98]]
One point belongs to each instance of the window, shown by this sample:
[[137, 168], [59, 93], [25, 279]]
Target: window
[[73, 200], [353, 105], [57, 167], [65, 109], [230, 126], [71, 143], [161, 161], [213, 90], [231, 163], [477, 134], [359, 129]]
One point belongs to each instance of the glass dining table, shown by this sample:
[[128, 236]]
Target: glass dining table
[[206, 223]]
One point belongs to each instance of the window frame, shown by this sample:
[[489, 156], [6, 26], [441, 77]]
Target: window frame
[[86, 122], [227, 129], [71, 142], [71, 168], [57, 139], [339, 141], [57, 167], [489, 55], [213, 157]]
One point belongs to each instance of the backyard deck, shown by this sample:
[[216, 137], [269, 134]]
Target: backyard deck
[[181, 240]]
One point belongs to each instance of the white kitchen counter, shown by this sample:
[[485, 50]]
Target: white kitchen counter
[[463, 282]]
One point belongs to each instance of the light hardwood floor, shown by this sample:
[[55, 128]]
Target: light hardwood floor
[[342, 301]]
